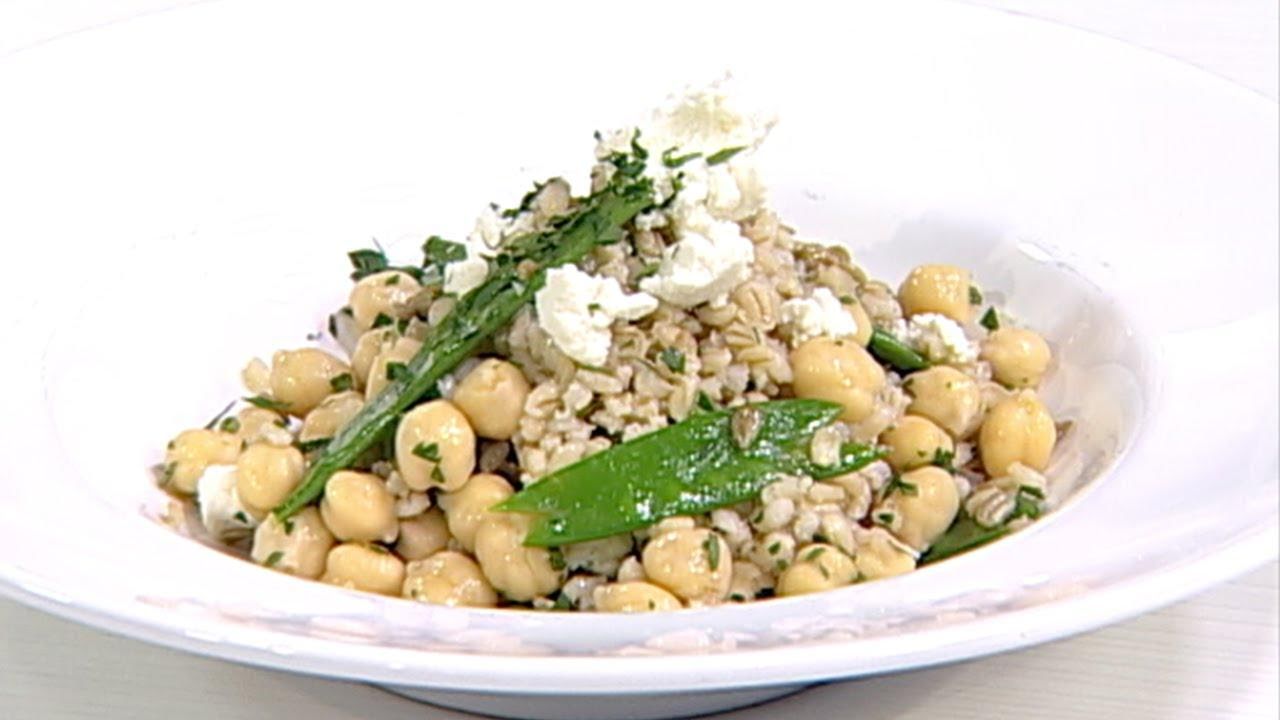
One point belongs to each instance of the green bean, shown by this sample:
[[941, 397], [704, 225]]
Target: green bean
[[893, 352]]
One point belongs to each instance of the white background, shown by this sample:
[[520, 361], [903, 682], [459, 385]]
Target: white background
[[1214, 656]]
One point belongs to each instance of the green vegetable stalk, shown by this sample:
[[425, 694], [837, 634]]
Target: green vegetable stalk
[[894, 353], [709, 460], [515, 275]]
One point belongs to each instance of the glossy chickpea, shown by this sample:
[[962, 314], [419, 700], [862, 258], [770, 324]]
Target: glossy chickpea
[[520, 573], [839, 371], [880, 555], [422, 535], [297, 547], [923, 507], [448, 578], [693, 563], [948, 397], [266, 474], [817, 567], [382, 294], [364, 567], [633, 597], [1018, 429], [492, 397], [330, 416], [940, 289], [435, 447], [357, 506], [466, 507], [255, 425], [370, 345], [400, 353], [859, 313], [302, 378], [915, 441], [1018, 357], [194, 450]]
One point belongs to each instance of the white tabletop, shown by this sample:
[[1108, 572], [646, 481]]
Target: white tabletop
[[1214, 656]]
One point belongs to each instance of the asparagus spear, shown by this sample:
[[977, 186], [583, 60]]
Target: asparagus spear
[[514, 276], [709, 460], [894, 353]]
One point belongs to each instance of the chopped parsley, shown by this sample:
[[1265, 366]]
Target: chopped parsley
[[944, 459], [594, 307], [884, 518], [313, 444], [814, 554], [975, 295], [366, 262], [288, 526], [671, 160], [562, 603], [266, 403], [724, 155], [427, 451], [229, 425], [274, 558], [383, 320], [704, 402], [647, 270], [897, 484], [341, 382], [775, 547], [209, 425], [990, 319], [439, 251], [673, 359], [556, 558], [397, 371], [712, 546], [241, 517], [848, 300]]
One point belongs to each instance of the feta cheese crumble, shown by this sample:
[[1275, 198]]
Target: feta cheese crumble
[[937, 337], [220, 509], [710, 256], [463, 276], [577, 309], [822, 315]]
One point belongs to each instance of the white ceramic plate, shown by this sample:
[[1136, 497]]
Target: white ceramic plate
[[179, 189]]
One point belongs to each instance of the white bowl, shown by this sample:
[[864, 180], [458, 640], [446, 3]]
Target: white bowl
[[180, 189]]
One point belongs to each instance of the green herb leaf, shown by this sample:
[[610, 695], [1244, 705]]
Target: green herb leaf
[[342, 382], [688, 468], [964, 534], [705, 403], [241, 517], [556, 558], [267, 403], [229, 425], [673, 359], [427, 451], [944, 459], [893, 352], [975, 295], [308, 446], [382, 320], [367, 262], [274, 558], [671, 160], [712, 547], [216, 418], [990, 320], [397, 371], [724, 155], [438, 251], [814, 554], [897, 484]]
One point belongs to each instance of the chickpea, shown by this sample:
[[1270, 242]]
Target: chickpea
[[940, 289], [435, 447], [922, 513], [402, 351], [946, 396], [298, 547], [266, 474], [633, 597], [915, 441], [385, 293], [1019, 358], [301, 378], [357, 506], [423, 535], [364, 567], [860, 316], [262, 425], [817, 567], [370, 345], [694, 563], [492, 397], [194, 450], [331, 415], [468, 506], [518, 572], [1018, 429], [839, 371], [880, 555], [448, 578]]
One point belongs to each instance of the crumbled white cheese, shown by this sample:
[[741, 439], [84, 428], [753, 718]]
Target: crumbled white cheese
[[821, 315], [463, 276], [220, 509], [710, 256], [937, 337], [577, 309]]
